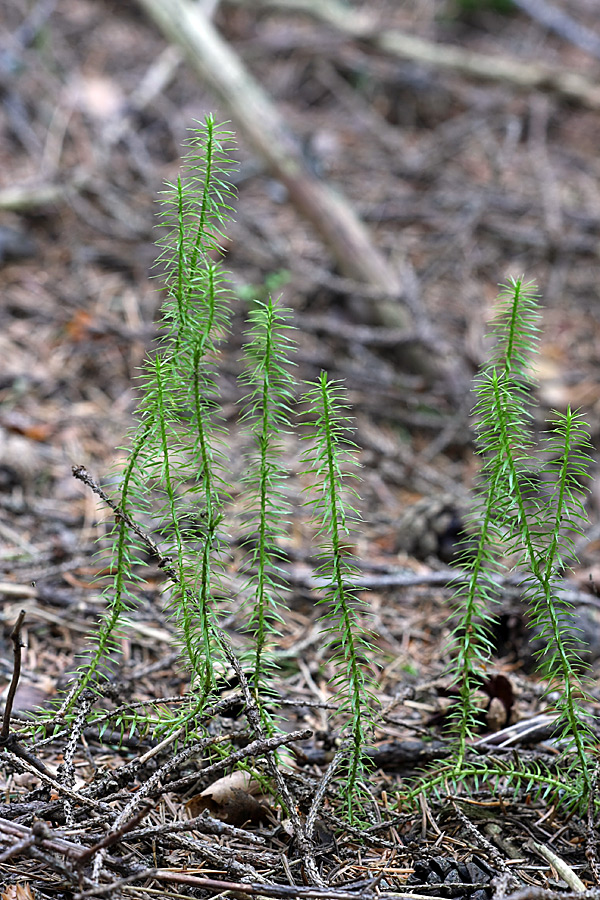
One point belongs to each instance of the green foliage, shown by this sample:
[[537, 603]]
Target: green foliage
[[508, 775], [330, 448], [173, 498], [173, 494], [267, 411], [503, 416], [529, 530], [173, 474]]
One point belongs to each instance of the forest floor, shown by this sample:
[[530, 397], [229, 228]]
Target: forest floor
[[463, 182]]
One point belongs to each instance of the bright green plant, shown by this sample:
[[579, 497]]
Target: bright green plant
[[173, 498], [173, 480], [173, 494], [329, 448], [530, 530], [268, 412]]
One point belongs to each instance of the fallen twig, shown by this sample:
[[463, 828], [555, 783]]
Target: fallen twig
[[562, 868], [113, 837], [267, 890], [15, 637], [9, 742], [302, 836], [485, 67], [257, 118], [563, 24], [44, 838]]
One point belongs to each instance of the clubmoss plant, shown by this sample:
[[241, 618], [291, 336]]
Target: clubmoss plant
[[173, 474], [330, 448], [173, 495], [530, 530], [172, 502], [267, 410]]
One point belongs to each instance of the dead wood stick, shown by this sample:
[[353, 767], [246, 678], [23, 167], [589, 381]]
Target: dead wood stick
[[219, 886], [537, 892], [15, 637], [43, 835], [8, 741], [561, 23], [32, 195], [22, 197], [356, 24], [113, 837], [261, 124]]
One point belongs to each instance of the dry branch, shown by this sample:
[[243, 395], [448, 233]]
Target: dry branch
[[282, 891], [15, 637], [24, 197], [561, 23], [46, 838], [358, 25], [258, 120]]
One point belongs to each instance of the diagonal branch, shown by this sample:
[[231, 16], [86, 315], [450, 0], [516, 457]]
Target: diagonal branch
[[357, 24], [257, 118]]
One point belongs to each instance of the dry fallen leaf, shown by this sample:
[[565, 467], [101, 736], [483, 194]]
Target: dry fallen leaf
[[17, 892], [237, 799]]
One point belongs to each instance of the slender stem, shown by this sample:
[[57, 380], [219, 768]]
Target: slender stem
[[15, 637]]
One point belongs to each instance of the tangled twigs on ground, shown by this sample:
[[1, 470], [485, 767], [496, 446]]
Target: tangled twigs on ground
[[494, 854], [302, 836], [262, 746], [39, 835], [319, 796], [283, 891], [115, 836], [81, 473], [22, 765], [591, 837]]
